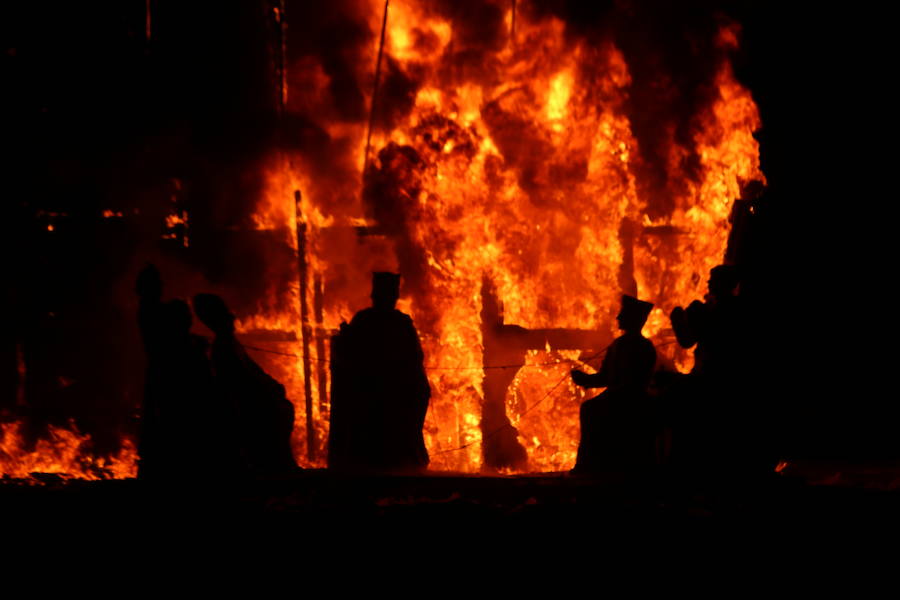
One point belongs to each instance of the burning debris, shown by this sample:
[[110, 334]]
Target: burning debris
[[63, 452]]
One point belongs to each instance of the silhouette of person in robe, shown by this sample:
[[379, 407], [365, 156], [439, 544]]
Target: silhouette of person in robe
[[174, 438], [617, 430], [256, 418], [380, 392]]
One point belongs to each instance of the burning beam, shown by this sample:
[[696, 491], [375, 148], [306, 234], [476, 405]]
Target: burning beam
[[305, 330]]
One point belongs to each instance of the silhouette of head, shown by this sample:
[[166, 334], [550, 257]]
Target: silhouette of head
[[723, 280], [177, 317], [633, 314], [385, 289], [212, 312]]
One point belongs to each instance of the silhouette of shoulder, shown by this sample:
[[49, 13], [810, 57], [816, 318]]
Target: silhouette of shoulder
[[634, 346], [375, 315]]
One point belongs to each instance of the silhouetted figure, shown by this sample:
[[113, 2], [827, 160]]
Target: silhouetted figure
[[714, 326], [708, 426], [256, 414], [174, 436], [380, 392], [617, 428]]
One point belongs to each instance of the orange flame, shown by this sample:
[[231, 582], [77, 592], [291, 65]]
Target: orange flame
[[64, 452], [546, 231]]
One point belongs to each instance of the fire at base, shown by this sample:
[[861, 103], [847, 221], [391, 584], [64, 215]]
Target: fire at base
[[523, 170]]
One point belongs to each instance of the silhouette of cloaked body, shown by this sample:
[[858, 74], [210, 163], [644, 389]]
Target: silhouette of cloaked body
[[617, 427], [714, 326], [256, 417], [174, 437], [708, 428], [380, 392]]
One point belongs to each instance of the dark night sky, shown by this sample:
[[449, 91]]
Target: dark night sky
[[92, 121]]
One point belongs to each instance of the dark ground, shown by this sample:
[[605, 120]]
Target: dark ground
[[804, 493]]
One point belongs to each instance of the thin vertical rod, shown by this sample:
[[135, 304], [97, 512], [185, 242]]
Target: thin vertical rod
[[375, 89], [305, 330]]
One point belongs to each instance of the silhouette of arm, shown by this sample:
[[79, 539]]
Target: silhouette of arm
[[681, 325], [598, 379]]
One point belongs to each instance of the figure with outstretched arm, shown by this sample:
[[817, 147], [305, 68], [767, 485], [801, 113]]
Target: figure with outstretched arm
[[616, 433]]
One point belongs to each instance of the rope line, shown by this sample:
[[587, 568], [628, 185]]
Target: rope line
[[525, 412], [480, 368], [501, 428], [535, 405], [428, 368]]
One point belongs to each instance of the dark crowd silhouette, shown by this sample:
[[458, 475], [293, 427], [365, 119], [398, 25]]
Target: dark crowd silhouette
[[714, 422], [178, 388], [698, 426], [207, 410], [213, 405]]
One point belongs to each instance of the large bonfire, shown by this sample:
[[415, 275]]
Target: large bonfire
[[516, 166]]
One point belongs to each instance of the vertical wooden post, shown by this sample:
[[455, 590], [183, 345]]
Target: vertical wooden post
[[305, 330], [319, 309], [375, 90]]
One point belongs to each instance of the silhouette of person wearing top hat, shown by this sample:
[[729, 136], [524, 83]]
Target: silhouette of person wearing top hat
[[616, 426], [380, 392]]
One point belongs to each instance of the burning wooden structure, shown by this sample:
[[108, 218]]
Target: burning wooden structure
[[504, 155]]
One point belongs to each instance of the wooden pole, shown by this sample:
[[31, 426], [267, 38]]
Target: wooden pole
[[375, 89], [305, 330], [319, 309]]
